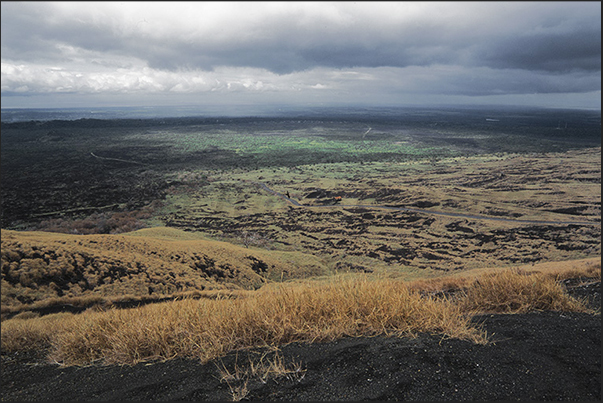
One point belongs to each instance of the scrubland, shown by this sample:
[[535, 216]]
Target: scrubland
[[276, 314], [132, 241]]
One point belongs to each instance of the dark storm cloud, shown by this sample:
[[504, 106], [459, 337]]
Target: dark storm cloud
[[287, 42], [555, 52], [22, 31], [473, 48]]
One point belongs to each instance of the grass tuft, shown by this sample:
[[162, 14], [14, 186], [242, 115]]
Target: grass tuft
[[282, 313], [262, 370], [517, 291]]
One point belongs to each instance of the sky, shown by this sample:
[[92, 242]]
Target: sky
[[95, 54]]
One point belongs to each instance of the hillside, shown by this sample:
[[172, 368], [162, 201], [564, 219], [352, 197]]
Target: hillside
[[43, 268], [539, 355]]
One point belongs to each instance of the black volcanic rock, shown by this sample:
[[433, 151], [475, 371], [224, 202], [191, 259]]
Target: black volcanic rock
[[535, 356]]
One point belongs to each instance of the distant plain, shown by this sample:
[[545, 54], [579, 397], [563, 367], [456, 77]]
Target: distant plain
[[481, 188]]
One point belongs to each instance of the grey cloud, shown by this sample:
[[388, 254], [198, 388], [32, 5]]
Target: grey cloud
[[30, 34], [579, 50], [339, 49], [477, 81], [520, 82], [23, 35], [288, 42], [288, 55]]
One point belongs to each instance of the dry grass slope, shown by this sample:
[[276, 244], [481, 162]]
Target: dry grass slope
[[282, 313], [41, 269]]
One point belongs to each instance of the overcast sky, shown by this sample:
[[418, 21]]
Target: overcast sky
[[67, 54]]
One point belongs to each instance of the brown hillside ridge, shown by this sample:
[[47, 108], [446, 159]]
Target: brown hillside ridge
[[49, 272], [41, 269]]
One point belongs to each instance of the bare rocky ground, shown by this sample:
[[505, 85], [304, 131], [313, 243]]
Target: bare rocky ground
[[542, 356]]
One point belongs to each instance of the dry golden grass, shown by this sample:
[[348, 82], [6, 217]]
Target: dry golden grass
[[262, 369], [41, 269], [589, 268], [98, 303], [22, 334], [277, 314], [45, 270], [516, 291]]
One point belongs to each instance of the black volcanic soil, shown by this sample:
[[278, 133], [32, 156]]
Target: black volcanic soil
[[535, 356]]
